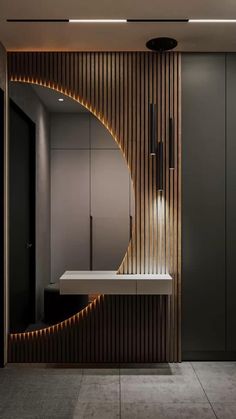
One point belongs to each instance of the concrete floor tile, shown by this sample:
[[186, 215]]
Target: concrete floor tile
[[175, 383], [163, 393], [212, 368], [101, 371], [38, 393], [160, 370], [218, 380], [35, 407], [97, 410], [166, 411], [103, 376], [225, 411], [169, 374], [99, 393]]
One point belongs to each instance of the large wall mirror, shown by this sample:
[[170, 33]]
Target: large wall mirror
[[71, 202]]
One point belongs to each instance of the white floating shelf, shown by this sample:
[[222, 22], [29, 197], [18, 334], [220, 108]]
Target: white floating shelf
[[111, 283]]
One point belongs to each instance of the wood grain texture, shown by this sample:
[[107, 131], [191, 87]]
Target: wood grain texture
[[107, 331], [118, 88]]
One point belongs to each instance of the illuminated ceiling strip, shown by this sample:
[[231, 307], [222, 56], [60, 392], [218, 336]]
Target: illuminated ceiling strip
[[97, 20], [212, 20], [157, 20], [38, 20]]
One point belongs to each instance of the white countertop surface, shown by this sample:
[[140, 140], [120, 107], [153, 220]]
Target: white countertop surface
[[109, 282]]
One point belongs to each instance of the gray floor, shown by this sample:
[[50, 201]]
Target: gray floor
[[198, 390]]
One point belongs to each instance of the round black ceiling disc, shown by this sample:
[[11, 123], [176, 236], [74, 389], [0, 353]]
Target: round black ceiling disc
[[161, 44]]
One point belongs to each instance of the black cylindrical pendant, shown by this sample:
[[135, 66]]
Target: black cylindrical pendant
[[160, 166], [171, 145], [153, 128]]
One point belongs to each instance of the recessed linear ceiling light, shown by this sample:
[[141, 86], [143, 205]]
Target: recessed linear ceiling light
[[157, 20], [212, 20], [38, 20], [97, 20], [60, 99]]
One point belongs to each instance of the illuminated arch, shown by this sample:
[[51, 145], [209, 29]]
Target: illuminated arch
[[94, 112]]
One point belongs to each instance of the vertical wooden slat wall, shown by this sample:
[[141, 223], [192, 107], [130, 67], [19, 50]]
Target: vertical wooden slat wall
[[117, 88]]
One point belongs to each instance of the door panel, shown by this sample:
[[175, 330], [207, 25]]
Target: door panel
[[70, 226], [70, 131], [110, 241], [22, 220], [109, 208], [109, 184]]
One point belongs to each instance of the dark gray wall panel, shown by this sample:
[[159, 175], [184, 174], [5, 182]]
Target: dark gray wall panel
[[203, 118], [100, 136], [231, 201], [70, 130]]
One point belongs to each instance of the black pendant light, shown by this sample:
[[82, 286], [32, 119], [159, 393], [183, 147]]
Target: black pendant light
[[161, 44], [171, 145], [153, 128], [159, 170]]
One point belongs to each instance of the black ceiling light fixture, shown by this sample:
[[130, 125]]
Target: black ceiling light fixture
[[161, 44]]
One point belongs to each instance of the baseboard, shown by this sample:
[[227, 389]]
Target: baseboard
[[209, 356]]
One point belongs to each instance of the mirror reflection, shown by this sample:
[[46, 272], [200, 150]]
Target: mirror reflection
[[71, 203]]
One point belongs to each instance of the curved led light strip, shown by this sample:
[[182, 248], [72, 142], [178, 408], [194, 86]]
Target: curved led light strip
[[94, 112], [157, 201], [57, 326], [64, 323]]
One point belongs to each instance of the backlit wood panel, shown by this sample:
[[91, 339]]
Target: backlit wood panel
[[118, 88], [112, 329]]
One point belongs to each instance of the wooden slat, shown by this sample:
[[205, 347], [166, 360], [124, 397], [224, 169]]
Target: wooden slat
[[118, 88]]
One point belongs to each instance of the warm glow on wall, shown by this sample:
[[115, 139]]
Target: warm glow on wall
[[118, 88]]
